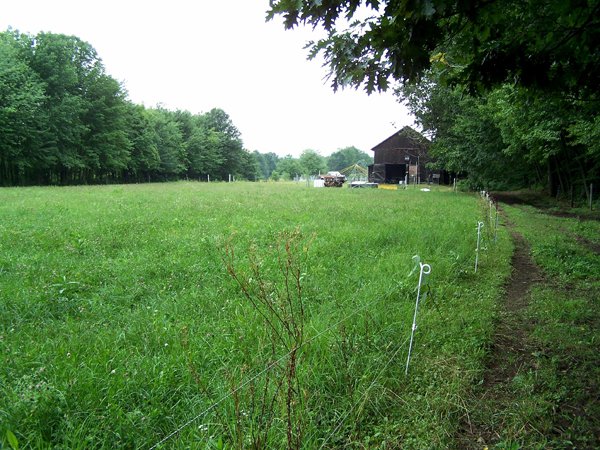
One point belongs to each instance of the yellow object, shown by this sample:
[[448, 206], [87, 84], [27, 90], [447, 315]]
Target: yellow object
[[389, 187], [355, 168], [439, 57]]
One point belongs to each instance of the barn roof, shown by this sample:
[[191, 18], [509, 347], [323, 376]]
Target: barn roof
[[407, 137]]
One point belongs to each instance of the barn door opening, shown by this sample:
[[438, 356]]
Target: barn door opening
[[395, 173]]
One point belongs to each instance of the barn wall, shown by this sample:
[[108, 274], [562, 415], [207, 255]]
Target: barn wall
[[394, 151], [394, 155]]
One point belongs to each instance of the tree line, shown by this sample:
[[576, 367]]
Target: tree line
[[506, 89], [510, 136], [310, 163], [64, 120]]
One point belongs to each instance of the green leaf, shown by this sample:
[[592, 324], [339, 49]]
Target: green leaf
[[12, 440]]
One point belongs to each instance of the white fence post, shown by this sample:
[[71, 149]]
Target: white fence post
[[479, 227], [425, 270]]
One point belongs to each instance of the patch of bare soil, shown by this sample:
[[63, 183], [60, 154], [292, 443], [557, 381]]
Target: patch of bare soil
[[510, 198], [509, 355], [571, 215], [592, 246], [546, 205]]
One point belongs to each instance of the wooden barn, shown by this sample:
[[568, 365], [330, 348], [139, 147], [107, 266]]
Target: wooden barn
[[402, 158]]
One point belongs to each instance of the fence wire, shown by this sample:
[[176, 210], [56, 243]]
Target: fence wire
[[269, 367], [364, 396]]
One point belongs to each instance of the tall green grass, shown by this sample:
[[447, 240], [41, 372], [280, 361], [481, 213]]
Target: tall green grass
[[556, 404], [119, 322]]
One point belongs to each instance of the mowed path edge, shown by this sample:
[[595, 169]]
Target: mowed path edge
[[509, 354]]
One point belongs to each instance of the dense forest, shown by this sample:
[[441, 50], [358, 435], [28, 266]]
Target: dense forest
[[507, 90], [64, 120], [511, 136]]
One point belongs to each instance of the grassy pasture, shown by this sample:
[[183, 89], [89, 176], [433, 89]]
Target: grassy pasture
[[119, 322], [557, 397]]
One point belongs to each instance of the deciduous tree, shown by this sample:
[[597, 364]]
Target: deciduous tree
[[288, 167], [22, 119], [544, 43], [348, 156], [312, 163]]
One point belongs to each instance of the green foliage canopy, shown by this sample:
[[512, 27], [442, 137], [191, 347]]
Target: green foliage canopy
[[346, 157], [267, 162], [22, 118], [63, 120], [288, 167], [511, 137], [312, 163], [541, 43]]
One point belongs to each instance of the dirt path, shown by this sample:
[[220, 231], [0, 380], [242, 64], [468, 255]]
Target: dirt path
[[509, 354], [591, 246], [544, 205]]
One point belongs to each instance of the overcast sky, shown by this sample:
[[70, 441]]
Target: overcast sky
[[201, 54]]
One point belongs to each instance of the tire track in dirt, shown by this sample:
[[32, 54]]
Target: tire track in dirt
[[510, 353], [591, 246]]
